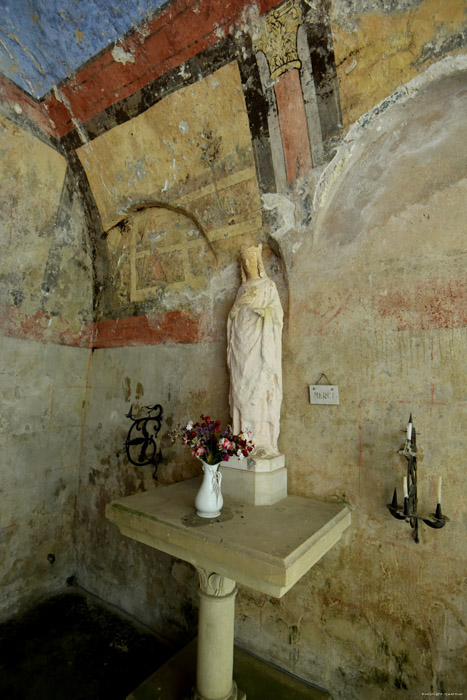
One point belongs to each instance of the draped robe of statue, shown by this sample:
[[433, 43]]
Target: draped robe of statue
[[254, 358]]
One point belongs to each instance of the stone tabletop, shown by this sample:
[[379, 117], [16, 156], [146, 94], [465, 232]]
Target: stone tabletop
[[267, 548]]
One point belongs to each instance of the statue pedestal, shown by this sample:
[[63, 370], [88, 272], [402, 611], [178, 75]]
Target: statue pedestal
[[259, 481]]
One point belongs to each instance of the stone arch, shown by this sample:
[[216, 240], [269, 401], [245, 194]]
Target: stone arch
[[392, 154], [387, 250], [154, 247]]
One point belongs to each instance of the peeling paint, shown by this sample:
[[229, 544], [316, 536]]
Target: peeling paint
[[121, 56], [408, 35], [444, 68], [372, 279]]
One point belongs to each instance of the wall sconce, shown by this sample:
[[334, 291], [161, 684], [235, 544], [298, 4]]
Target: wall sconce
[[408, 511]]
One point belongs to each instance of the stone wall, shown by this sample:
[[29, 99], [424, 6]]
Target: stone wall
[[199, 134], [378, 303], [147, 584], [44, 311]]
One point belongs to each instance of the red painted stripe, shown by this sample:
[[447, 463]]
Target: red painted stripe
[[32, 110], [175, 327], [15, 324], [432, 304], [174, 36]]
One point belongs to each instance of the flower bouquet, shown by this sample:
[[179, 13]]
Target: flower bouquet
[[209, 443]]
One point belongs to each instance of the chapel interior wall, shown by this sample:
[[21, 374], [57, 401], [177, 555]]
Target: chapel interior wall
[[371, 279], [45, 309], [378, 305]]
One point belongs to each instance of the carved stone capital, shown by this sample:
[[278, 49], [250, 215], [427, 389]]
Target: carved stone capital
[[215, 585], [277, 37]]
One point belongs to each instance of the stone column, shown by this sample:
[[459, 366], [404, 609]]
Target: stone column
[[216, 638]]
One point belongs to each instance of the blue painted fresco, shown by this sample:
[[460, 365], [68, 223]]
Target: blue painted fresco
[[44, 41]]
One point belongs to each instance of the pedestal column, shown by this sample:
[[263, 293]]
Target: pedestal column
[[214, 667]]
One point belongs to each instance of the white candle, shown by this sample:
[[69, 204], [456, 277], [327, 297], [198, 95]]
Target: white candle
[[439, 489], [409, 431], [406, 492]]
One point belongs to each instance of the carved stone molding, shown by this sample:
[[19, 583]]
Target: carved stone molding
[[277, 38], [214, 584]]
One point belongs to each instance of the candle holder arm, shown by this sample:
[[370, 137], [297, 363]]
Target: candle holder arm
[[437, 519], [408, 511]]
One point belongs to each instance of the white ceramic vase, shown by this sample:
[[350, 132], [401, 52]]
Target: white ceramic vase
[[209, 501]]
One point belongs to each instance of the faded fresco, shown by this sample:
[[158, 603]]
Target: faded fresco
[[45, 312], [379, 48], [184, 155], [127, 192], [45, 271]]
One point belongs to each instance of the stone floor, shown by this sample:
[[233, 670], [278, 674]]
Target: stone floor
[[175, 680], [73, 648]]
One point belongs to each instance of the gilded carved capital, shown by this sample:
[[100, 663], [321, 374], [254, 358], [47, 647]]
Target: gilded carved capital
[[277, 37], [214, 584]]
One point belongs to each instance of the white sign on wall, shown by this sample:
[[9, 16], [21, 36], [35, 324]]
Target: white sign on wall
[[324, 394]]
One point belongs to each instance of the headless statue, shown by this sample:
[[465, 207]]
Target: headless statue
[[254, 355]]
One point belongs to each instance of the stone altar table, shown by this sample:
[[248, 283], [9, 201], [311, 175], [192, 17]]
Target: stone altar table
[[267, 548]]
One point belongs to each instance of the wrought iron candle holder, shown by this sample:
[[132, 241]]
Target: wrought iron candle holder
[[408, 511], [141, 443]]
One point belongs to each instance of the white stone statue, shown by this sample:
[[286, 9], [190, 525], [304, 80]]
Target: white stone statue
[[254, 355]]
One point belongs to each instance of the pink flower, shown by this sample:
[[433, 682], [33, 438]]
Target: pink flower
[[206, 439], [226, 444]]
